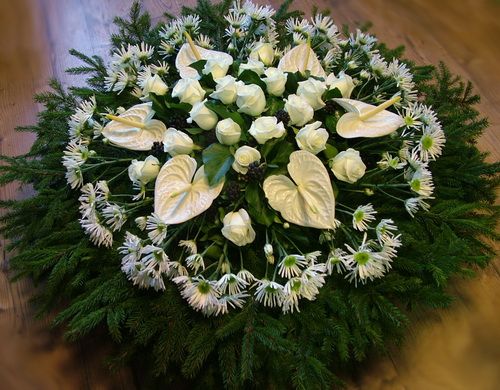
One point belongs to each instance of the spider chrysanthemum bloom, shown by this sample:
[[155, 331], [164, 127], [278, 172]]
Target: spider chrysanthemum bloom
[[362, 216]]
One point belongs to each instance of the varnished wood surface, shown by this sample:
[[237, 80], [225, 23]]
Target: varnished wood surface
[[454, 349]]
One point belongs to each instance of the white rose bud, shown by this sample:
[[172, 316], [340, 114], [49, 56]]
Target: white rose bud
[[263, 52], [312, 90], [238, 228], [205, 118], [217, 66], [253, 65], [228, 132], [142, 172], [347, 166], [156, 85], [251, 100], [226, 89], [243, 157], [275, 81], [299, 110], [312, 138], [176, 142], [343, 82], [265, 128], [188, 91], [268, 250]]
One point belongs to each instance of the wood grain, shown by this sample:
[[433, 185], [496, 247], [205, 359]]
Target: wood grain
[[454, 349]]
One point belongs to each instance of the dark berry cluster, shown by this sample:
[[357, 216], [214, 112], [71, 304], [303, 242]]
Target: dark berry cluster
[[283, 116], [178, 121], [255, 171], [330, 107], [232, 191], [210, 137], [157, 149]]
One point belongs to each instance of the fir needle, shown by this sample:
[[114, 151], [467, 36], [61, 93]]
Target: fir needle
[[380, 108]]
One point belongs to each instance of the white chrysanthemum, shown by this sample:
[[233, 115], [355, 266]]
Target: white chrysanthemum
[[298, 25], [157, 228], [378, 65], [362, 216], [74, 176], [269, 293], [258, 12], [363, 40], [431, 143], [313, 278], [412, 205], [195, 262], [143, 52], [246, 275], [403, 78], [384, 229], [231, 283], [123, 56], [335, 261], [204, 41], [176, 269], [225, 302], [291, 295], [161, 68], [389, 161], [76, 154], [98, 233], [200, 293], [114, 215], [421, 183], [88, 200], [131, 250], [291, 266], [364, 264], [189, 245]]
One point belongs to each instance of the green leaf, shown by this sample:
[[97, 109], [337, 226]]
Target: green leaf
[[274, 104], [330, 151], [217, 159], [257, 207], [331, 123], [332, 94], [224, 113], [292, 82], [198, 65], [194, 130], [277, 152], [250, 77]]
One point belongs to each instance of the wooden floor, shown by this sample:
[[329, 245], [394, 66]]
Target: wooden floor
[[455, 349]]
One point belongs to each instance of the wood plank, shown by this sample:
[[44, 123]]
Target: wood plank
[[454, 349]]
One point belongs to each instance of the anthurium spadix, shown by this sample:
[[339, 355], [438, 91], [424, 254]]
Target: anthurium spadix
[[366, 120], [190, 53], [300, 59], [134, 129], [181, 191], [307, 199]]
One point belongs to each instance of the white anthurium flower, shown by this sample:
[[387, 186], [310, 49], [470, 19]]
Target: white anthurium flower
[[226, 89], [347, 166], [299, 110], [366, 120], [186, 57], [142, 172], [243, 157], [228, 132], [134, 129], [181, 191], [265, 128], [312, 138], [343, 82], [275, 81], [238, 228], [205, 118], [251, 100], [188, 91], [177, 142], [311, 90], [218, 67], [154, 84], [263, 52], [253, 65], [308, 200], [300, 59]]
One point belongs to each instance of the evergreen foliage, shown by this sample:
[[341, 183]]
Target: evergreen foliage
[[256, 347]]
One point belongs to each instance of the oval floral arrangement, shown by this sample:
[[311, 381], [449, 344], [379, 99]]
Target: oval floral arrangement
[[263, 170]]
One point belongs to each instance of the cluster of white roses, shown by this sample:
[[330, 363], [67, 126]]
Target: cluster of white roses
[[183, 191]]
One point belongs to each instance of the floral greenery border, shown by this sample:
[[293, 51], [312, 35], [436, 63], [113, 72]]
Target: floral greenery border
[[172, 345]]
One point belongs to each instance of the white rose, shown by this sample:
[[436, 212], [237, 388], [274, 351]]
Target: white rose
[[142, 172], [312, 138], [347, 166], [238, 228], [205, 118], [253, 65], [251, 100], [343, 82], [188, 91], [275, 81], [217, 66], [265, 128], [176, 142], [299, 110], [243, 157], [263, 52], [228, 132], [156, 85], [312, 90], [226, 89]]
